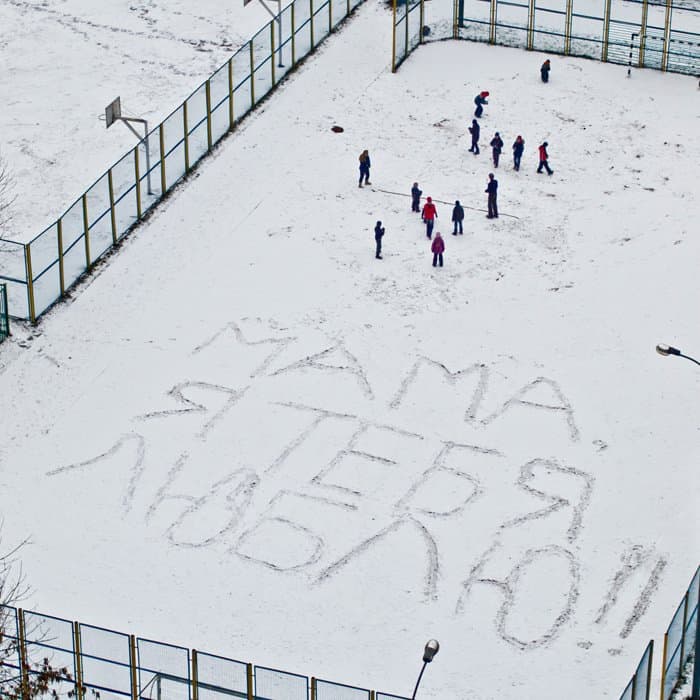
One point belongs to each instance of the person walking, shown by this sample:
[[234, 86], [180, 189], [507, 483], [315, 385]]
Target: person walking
[[496, 148], [544, 159], [457, 218], [475, 130], [492, 189], [518, 148], [544, 71], [480, 100], [365, 164], [415, 197], [438, 248], [429, 215], [378, 235]]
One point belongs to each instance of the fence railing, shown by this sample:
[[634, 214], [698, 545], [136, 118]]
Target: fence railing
[[679, 639], [4, 314], [639, 686], [642, 33], [40, 272], [118, 665], [679, 648]]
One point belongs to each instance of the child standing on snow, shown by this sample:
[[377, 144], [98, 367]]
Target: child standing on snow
[[364, 168], [518, 148], [474, 130], [497, 146], [378, 235], [480, 100], [544, 159], [492, 189], [544, 71], [457, 218], [438, 248], [415, 197], [429, 216]]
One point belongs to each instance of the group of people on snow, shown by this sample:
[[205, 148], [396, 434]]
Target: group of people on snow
[[429, 211]]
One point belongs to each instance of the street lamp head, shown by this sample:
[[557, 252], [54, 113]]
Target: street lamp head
[[431, 648], [667, 350]]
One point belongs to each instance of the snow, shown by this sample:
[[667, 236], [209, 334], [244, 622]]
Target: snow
[[244, 434]]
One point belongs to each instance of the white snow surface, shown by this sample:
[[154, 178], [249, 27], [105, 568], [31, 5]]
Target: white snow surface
[[244, 434]]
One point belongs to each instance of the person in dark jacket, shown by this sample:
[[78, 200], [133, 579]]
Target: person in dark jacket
[[364, 168], [474, 130], [438, 248], [496, 146], [480, 100], [544, 159], [415, 197], [544, 71], [457, 218], [378, 235], [492, 189], [429, 215], [518, 148]]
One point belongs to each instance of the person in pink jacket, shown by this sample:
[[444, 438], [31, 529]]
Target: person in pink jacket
[[438, 248]]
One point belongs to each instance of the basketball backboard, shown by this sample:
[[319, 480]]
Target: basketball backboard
[[113, 111]]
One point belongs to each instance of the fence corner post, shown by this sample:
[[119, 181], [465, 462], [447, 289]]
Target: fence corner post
[[249, 681], [30, 281]]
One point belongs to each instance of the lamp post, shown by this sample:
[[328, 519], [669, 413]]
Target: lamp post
[[667, 350], [431, 648]]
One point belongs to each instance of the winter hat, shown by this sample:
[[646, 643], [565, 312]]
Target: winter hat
[[379, 223], [457, 202], [430, 199], [497, 134], [485, 93], [545, 144]]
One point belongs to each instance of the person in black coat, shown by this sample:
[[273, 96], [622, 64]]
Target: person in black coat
[[474, 130], [544, 71], [518, 148], [378, 235], [457, 218], [492, 189], [415, 197], [496, 146]]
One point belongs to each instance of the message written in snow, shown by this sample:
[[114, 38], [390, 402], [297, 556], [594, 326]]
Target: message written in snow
[[343, 483]]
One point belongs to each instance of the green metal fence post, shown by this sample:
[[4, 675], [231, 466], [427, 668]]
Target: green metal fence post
[[207, 94], [231, 113], [186, 136], [86, 230], [685, 622], [567, 26], [137, 174], [161, 145], [23, 660], [492, 21], [405, 38], [294, 33], [393, 36], [5, 319], [59, 238], [311, 22], [651, 659], [272, 51], [313, 688], [330, 16], [530, 25], [606, 31], [133, 668], [112, 214], [663, 666], [78, 661], [643, 33], [249, 681], [195, 676], [421, 38], [667, 34], [30, 282], [252, 75]]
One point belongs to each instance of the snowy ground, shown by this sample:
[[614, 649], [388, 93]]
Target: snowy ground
[[260, 441]]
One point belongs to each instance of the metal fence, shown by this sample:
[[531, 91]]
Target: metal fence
[[4, 315], [679, 639], [40, 272], [117, 666], [660, 34], [639, 686]]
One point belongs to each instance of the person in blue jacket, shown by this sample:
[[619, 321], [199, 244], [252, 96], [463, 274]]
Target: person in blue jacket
[[480, 100], [518, 148], [364, 168], [415, 197], [492, 189]]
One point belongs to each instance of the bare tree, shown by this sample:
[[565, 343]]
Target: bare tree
[[22, 678], [7, 194]]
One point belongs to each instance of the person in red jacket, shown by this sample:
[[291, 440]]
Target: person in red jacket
[[543, 159], [429, 215], [438, 248]]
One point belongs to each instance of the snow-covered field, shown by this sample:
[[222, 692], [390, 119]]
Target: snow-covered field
[[244, 434]]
